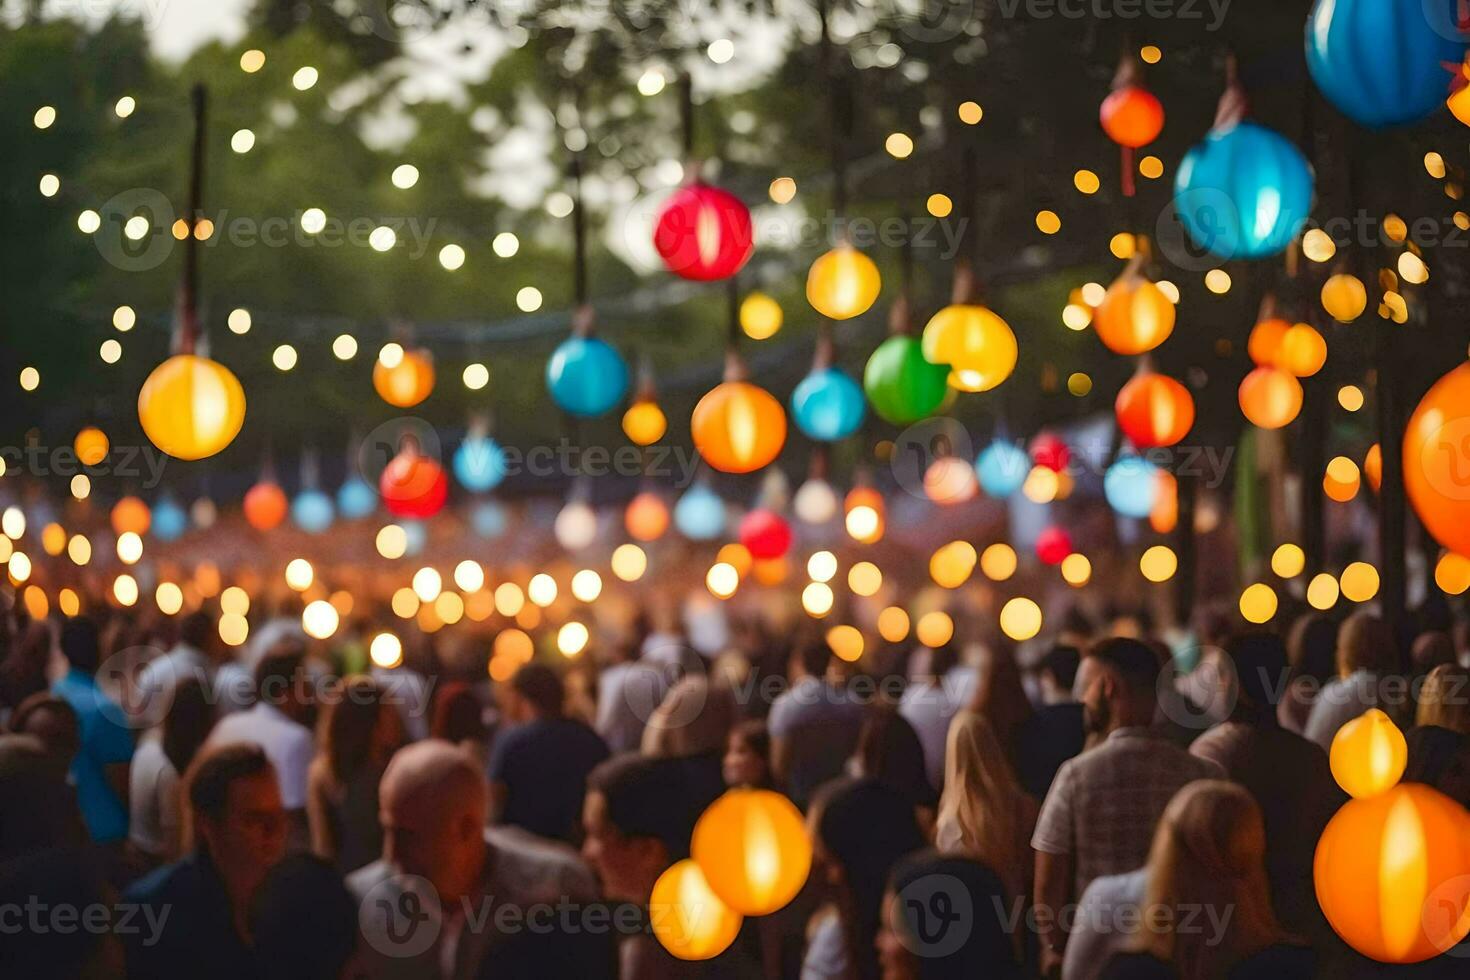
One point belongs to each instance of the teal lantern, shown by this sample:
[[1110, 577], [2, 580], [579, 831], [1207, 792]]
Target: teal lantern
[[312, 511], [1131, 486], [700, 514], [828, 405], [902, 386], [488, 519], [1002, 468], [169, 520], [356, 499], [479, 463], [586, 377], [1243, 192]]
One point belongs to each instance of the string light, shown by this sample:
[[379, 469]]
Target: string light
[[971, 113], [252, 61], [344, 347], [304, 78], [405, 175]]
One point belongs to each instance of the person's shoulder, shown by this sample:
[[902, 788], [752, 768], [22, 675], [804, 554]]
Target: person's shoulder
[[1115, 888], [171, 881], [367, 877], [528, 868]]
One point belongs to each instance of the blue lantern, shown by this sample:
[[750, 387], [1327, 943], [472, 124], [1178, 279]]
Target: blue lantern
[[356, 499], [1384, 62], [488, 519], [169, 520], [416, 536], [312, 511], [828, 405], [1002, 467], [1131, 486], [1243, 192], [479, 464], [586, 376], [700, 514]]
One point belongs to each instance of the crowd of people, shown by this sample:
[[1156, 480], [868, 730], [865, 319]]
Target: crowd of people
[[1081, 807]]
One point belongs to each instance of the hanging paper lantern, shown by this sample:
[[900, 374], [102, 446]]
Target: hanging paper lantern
[[1368, 755], [828, 405], [169, 520], [576, 525], [1303, 351], [488, 519], [1344, 297], [765, 534], [1270, 397], [203, 513], [950, 480], [1459, 99], [1154, 410], [1243, 192], [1165, 514], [1342, 479], [644, 423], [1050, 451], [1131, 486], [694, 924], [1002, 467], [91, 446], [647, 516], [1384, 62], [1132, 116], [738, 427], [1053, 545], [1435, 464], [413, 485], [704, 233], [753, 848], [1373, 466], [977, 345], [191, 407], [356, 499], [408, 381], [842, 283], [479, 464], [312, 511], [902, 385], [265, 505], [760, 316], [864, 515], [815, 502], [1266, 340], [700, 514], [1135, 316], [131, 514], [586, 376]]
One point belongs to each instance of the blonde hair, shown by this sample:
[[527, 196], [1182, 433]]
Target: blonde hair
[[694, 718], [1365, 643], [1444, 699], [981, 811], [1208, 852]]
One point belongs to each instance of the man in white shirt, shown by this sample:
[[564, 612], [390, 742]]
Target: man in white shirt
[[189, 659]]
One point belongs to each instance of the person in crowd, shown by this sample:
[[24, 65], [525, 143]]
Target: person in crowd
[[303, 889], [747, 761], [814, 723], [442, 865], [155, 791], [53, 721], [359, 734], [539, 764], [1444, 699], [860, 829], [1099, 815], [235, 833], [1053, 733], [23, 670], [1311, 651], [1429, 650], [1000, 696], [1286, 774], [889, 751], [984, 812], [193, 656], [55, 880], [1207, 857], [1366, 655], [920, 908], [100, 767], [628, 691], [1439, 757], [459, 717], [928, 705], [38, 808], [691, 725]]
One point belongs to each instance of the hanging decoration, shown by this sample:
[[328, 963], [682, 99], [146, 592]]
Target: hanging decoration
[[312, 510], [843, 283], [738, 427], [1344, 297], [1268, 336], [1164, 517], [1135, 316], [760, 316], [488, 519], [1002, 467], [703, 233], [412, 484], [646, 517], [902, 385], [865, 514], [753, 848], [479, 462], [90, 445], [1270, 397], [694, 924], [765, 534], [1131, 486], [575, 526], [827, 404], [1434, 462], [356, 499], [950, 480], [169, 519], [265, 504], [644, 423], [403, 378], [1154, 410], [1050, 451], [700, 513], [131, 514], [1053, 545], [815, 502], [1131, 115]]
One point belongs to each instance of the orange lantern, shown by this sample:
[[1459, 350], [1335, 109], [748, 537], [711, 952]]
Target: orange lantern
[[1154, 410], [687, 917], [753, 848], [644, 422], [738, 427], [1368, 755], [1436, 447], [1344, 297], [1266, 339], [1134, 316], [1165, 514], [265, 505], [1303, 351], [647, 516], [191, 407], [1342, 479], [950, 480], [407, 381], [131, 514], [843, 283], [91, 446], [1373, 466], [1270, 397], [1132, 116]]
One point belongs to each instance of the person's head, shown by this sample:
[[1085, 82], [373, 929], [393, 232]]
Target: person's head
[[1058, 671], [1258, 662], [1430, 650], [747, 759], [458, 714], [235, 815], [809, 658], [1311, 647], [926, 886], [1440, 758], [304, 888], [942, 659], [81, 644], [534, 691], [1444, 699], [693, 719], [38, 810], [197, 630], [359, 729], [1119, 681], [283, 682], [51, 720], [60, 878], [638, 816], [188, 723], [1365, 643], [433, 803], [889, 750], [979, 801]]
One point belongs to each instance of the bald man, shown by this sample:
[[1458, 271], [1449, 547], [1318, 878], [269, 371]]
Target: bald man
[[454, 900]]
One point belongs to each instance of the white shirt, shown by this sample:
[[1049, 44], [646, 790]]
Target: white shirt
[[1106, 923], [153, 798], [288, 745], [826, 951], [627, 695], [927, 706], [160, 677]]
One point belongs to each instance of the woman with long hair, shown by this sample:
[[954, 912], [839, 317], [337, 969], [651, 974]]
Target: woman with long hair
[[1444, 699], [359, 734], [889, 751], [155, 801], [691, 725], [921, 936], [1311, 652]]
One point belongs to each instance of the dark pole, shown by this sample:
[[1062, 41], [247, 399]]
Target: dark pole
[[188, 306]]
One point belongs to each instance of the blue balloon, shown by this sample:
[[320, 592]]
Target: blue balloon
[[1131, 486], [1384, 62], [828, 405], [1243, 192], [586, 376], [356, 499], [479, 464], [312, 511], [488, 519], [169, 520], [1002, 468], [700, 514]]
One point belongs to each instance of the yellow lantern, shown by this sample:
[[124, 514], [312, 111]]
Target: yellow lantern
[[1368, 755], [1373, 466], [1459, 100], [978, 346], [1270, 397], [688, 918], [842, 283], [644, 422], [91, 446], [754, 851], [1342, 479], [1344, 297], [738, 427], [405, 382], [191, 407], [1267, 336], [1303, 351], [760, 316], [1135, 316]]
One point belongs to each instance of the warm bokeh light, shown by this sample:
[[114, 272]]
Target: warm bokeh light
[[1258, 603], [998, 562], [1288, 560], [299, 574], [893, 624], [1158, 563], [722, 579], [1020, 618], [629, 562], [319, 619], [934, 629], [1076, 569], [385, 651], [864, 579], [1359, 582], [572, 638], [817, 599], [586, 585], [846, 643]]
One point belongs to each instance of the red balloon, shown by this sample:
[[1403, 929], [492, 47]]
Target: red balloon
[[1050, 451], [1132, 116], [765, 534], [704, 233], [1053, 545], [413, 485], [265, 505]]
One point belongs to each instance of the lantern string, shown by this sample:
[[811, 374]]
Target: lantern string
[[186, 335], [968, 288], [1128, 73], [818, 462], [1233, 101], [899, 314], [579, 234], [735, 369], [686, 122], [840, 123]]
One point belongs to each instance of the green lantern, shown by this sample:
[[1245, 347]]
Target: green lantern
[[901, 384]]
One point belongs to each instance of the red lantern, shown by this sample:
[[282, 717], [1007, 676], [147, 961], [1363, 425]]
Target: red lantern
[[1154, 410], [1132, 116], [765, 534], [1049, 451], [1053, 545], [413, 485], [703, 233], [265, 505]]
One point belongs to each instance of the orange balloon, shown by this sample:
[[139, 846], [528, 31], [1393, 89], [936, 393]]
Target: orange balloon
[[738, 427], [647, 516], [1437, 460], [406, 383], [1154, 410], [1270, 397], [1373, 466], [1303, 351], [1132, 116], [1267, 336], [1392, 873], [131, 514], [1135, 316], [265, 505]]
